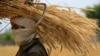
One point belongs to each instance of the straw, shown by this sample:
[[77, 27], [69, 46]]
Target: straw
[[64, 27]]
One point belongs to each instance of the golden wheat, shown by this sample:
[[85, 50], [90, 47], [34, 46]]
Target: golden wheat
[[66, 28], [11, 51]]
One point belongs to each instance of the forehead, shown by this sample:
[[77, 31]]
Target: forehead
[[22, 21]]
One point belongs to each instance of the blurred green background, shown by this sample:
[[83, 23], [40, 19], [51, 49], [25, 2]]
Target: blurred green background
[[6, 38]]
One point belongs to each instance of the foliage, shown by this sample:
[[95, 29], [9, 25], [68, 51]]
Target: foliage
[[95, 13], [7, 36]]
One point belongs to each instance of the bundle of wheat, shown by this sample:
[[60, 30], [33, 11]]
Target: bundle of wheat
[[67, 28]]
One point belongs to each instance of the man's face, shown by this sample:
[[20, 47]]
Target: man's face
[[23, 30]]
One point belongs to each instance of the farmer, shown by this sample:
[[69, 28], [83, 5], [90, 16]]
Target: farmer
[[24, 33]]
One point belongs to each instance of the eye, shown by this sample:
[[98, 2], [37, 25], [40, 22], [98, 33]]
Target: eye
[[15, 26]]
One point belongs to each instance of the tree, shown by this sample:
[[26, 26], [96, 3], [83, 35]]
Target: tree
[[95, 13], [6, 38]]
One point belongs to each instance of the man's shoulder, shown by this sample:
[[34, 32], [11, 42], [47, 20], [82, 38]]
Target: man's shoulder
[[38, 48]]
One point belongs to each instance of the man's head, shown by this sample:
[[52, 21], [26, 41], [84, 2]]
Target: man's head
[[23, 29]]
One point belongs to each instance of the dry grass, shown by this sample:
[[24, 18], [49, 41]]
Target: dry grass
[[65, 27], [11, 51]]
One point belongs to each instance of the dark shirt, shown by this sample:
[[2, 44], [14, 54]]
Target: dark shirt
[[34, 48]]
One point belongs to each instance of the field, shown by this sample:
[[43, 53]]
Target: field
[[11, 51]]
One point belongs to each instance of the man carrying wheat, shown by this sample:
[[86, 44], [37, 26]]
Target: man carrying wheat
[[25, 36], [66, 28]]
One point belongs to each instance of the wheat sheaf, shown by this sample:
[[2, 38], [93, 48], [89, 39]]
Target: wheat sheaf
[[67, 28]]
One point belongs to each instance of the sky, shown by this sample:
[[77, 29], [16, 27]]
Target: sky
[[71, 3]]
